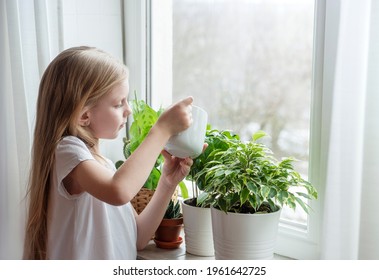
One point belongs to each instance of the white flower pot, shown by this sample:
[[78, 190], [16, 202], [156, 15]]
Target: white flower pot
[[198, 230], [244, 236]]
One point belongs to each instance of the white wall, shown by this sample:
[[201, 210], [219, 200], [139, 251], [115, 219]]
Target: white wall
[[96, 23]]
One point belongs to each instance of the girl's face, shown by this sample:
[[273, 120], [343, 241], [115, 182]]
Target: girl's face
[[110, 113]]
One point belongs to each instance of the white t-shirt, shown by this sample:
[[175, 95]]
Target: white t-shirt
[[82, 226]]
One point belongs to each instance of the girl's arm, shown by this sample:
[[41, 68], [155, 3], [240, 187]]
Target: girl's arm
[[174, 171], [120, 187]]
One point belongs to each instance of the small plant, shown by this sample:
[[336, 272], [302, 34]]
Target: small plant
[[244, 177], [173, 210], [144, 117], [170, 227]]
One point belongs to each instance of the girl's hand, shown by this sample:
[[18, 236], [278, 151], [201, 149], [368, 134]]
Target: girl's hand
[[177, 117], [175, 169]]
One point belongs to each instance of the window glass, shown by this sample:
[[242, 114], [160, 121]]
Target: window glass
[[249, 63]]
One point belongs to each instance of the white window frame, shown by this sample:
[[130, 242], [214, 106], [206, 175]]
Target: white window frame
[[136, 53], [293, 241], [139, 51]]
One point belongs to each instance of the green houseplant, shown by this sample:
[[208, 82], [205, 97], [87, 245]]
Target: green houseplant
[[245, 177], [196, 210], [243, 180], [144, 117], [173, 210], [218, 142], [167, 235]]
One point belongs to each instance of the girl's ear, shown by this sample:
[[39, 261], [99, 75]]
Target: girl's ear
[[84, 119]]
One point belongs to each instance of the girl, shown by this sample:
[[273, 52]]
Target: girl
[[78, 203]]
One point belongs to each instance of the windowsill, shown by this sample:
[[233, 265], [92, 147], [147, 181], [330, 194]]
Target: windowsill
[[152, 252]]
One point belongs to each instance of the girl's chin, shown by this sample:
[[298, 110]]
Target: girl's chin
[[111, 137]]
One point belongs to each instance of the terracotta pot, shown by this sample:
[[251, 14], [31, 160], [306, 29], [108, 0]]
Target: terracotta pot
[[169, 230]]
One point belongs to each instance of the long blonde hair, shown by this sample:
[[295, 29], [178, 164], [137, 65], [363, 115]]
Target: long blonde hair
[[76, 78]]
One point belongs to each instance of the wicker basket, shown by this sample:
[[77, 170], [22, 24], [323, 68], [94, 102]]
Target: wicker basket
[[144, 196]]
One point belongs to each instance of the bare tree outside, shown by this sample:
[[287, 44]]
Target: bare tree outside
[[249, 64]]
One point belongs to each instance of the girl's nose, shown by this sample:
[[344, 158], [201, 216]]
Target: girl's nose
[[127, 110]]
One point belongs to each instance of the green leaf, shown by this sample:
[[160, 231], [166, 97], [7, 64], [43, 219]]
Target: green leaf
[[259, 134], [265, 191], [283, 195], [254, 202], [305, 195], [273, 206], [244, 195], [272, 193], [252, 187], [221, 203], [172, 210], [291, 202], [119, 163], [152, 181], [234, 199], [228, 172], [183, 189], [302, 204], [201, 198]]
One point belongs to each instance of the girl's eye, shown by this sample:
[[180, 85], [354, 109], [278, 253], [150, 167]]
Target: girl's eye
[[121, 104]]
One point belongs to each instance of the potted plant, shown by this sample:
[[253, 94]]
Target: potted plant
[[196, 211], [144, 117], [247, 187], [167, 235]]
